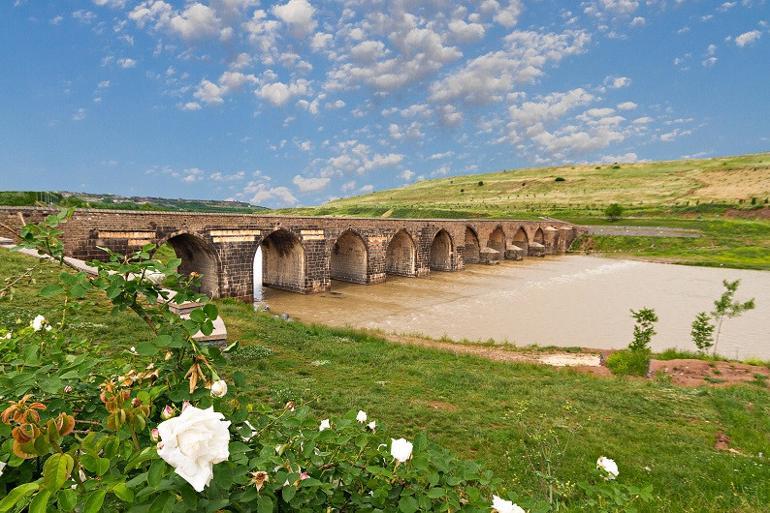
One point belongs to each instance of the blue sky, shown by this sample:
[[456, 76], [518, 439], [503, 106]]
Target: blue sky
[[299, 101]]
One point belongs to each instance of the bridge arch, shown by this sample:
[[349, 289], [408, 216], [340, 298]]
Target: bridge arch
[[401, 255], [539, 237], [283, 261], [497, 240], [349, 258], [520, 238], [198, 256], [441, 251], [472, 247]]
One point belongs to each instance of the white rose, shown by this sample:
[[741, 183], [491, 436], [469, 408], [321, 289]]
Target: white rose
[[401, 449], [503, 506], [608, 466], [2, 467], [372, 425], [361, 417], [219, 388], [193, 442], [325, 424], [7, 336], [38, 323]]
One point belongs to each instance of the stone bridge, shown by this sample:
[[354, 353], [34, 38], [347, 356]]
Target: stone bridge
[[303, 254]]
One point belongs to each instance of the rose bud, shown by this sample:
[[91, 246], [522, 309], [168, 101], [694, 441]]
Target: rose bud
[[155, 435], [167, 413], [219, 388]]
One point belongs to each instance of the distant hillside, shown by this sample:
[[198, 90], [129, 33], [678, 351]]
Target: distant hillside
[[697, 185], [111, 201]]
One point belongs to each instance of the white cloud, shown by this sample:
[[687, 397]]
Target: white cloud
[[627, 106], [190, 106], [624, 158], [366, 189], [320, 41], [490, 76], [440, 156], [674, 134], [509, 15], [464, 32], [260, 193], [617, 82], [79, 115], [747, 38], [310, 184], [298, 15], [406, 175], [126, 63], [278, 93], [638, 21]]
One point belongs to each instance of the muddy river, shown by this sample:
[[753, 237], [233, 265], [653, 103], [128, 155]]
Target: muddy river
[[561, 301]]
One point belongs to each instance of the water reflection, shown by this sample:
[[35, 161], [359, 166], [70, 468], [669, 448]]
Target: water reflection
[[562, 301]]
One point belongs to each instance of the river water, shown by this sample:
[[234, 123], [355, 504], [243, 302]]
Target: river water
[[562, 301]]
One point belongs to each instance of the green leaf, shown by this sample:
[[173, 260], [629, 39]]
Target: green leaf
[[211, 310], [146, 348], [163, 504], [123, 492], [288, 493], [67, 500], [197, 315], [155, 474], [94, 502], [98, 466], [17, 495], [51, 290], [407, 504], [265, 505], [436, 493], [40, 503], [56, 471]]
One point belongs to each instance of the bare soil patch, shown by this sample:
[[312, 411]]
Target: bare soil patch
[[758, 213], [695, 373]]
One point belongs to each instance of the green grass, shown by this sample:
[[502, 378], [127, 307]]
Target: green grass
[[490, 411]]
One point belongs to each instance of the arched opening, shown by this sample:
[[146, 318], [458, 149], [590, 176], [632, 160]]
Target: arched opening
[[520, 239], [472, 247], [197, 257], [497, 240], [348, 258], [283, 262], [400, 255], [441, 252], [539, 237]]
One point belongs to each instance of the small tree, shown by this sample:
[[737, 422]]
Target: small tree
[[702, 332], [613, 212], [644, 329], [727, 307]]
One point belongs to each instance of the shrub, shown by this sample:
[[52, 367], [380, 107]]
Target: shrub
[[702, 332], [613, 212], [560, 179], [481, 183], [644, 329], [629, 363]]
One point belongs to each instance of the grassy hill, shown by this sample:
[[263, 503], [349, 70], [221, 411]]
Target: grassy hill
[[111, 201], [725, 199], [712, 184]]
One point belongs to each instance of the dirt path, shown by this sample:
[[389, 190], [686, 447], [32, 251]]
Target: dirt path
[[504, 354], [643, 231]]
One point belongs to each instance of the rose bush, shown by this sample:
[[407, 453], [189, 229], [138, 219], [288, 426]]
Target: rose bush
[[155, 428]]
